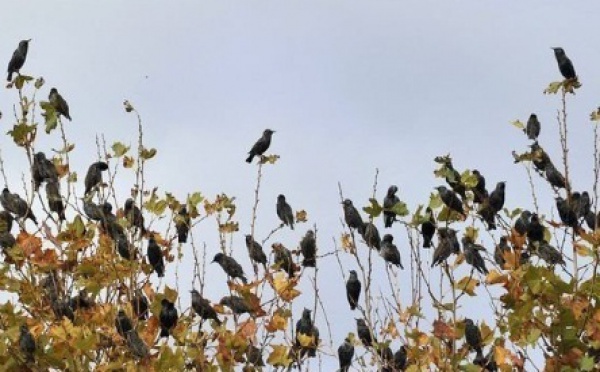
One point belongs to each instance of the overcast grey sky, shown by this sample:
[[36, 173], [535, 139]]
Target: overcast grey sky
[[349, 87]]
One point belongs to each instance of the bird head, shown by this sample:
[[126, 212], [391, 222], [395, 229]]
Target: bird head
[[392, 190], [268, 132], [218, 257], [558, 51], [129, 203], [388, 238], [281, 198], [347, 203]]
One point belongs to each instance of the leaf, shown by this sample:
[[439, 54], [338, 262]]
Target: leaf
[[269, 159], [119, 149], [285, 287], [195, 199], [400, 209], [23, 134], [21, 80], [301, 216], [468, 179], [147, 154], [30, 244], [128, 106], [471, 232], [229, 227], [65, 150], [276, 323], [279, 357], [170, 294], [553, 87], [305, 340], [495, 277], [435, 201], [347, 243], [39, 82], [50, 115], [586, 363], [443, 331], [583, 251], [374, 209], [518, 124], [467, 285], [595, 116], [247, 329], [128, 161]]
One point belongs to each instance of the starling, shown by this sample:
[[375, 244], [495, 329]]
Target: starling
[[62, 308], [472, 255], [585, 204], [126, 250], [94, 175], [18, 58], [473, 336], [306, 327], [401, 358], [42, 170], [353, 287], [522, 223], [134, 216], [592, 220], [284, 212], [364, 333], [308, 247], [488, 214], [7, 240], [136, 345], [564, 64], [532, 130], [387, 357], [535, 230], [230, 266], [548, 253], [480, 193], [261, 145], [390, 252], [428, 228], [55, 202], [255, 250], [167, 317], [140, 305], [554, 177], [283, 259], [202, 307], [447, 244], [92, 210], [58, 102], [27, 343], [388, 203], [450, 199], [501, 248], [6, 221], [370, 234], [81, 301], [123, 323], [15, 205], [567, 214], [254, 356], [497, 197], [155, 257], [453, 178], [182, 225], [351, 215], [345, 355], [237, 305]]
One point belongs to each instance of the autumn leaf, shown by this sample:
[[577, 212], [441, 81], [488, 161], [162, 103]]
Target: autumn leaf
[[467, 285], [301, 216], [347, 243], [443, 331], [495, 277], [279, 357], [30, 244], [305, 340], [285, 287], [247, 329], [170, 294], [276, 323]]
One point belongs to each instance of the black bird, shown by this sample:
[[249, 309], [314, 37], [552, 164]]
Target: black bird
[[447, 244], [230, 266], [450, 199], [535, 229], [501, 248], [345, 355], [390, 252], [202, 307], [237, 305], [428, 228], [472, 255], [473, 336], [305, 326], [254, 355], [94, 175], [388, 203], [540, 157], [497, 197], [488, 213], [134, 216], [155, 257], [522, 223], [554, 177], [533, 128], [308, 247], [480, 193], [167, 317], [140, 305], [255, 250], [564, 64], [81, 301], [364, 333], [18, 58], [7, 240], [585, 204], [55, 202], [352, 216], [261, 145], [284, 212], [15, 205], [453, 178], [370, 234], [548, 253], [123, 323], [6, 221], [27, 344], [283, 259], [353, 287], [566, 212], [58, 102], [92, 210], [592, 220], [401, 358], [136, 345], [387, 357], [42, 170], [182, 224]]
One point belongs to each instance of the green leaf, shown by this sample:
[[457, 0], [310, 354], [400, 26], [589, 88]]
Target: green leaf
[[533, 335], [170, 294], [21, 79], [468, 179], [147, 153], [23, 133], [400, 209], [586, 363], [553, 87], [195, 198], [373, 210], [435, 201], [518, 124], [119, 149], [39, 82]]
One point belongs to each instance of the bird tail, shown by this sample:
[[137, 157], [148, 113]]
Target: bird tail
[[9, 78], [68, 117], [309, 262], [182, 237], [164, 332], [244, 280], [32, 217], [249, 158], [426, 243], [61, 216]]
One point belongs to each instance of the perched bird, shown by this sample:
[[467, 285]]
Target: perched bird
[[548, 253], [540, 157], [94, 175], [388, 203], [351, 215], [27, 344], [497, 197], [81, 301], [390, 252], [155, 257], [284, 212], [488, 213], [134, 216], [564, 64], [202, 307], [533, 128], [308, 247], [230, 266], [136, 345], [522, 223], [62, 308], [401, 358], [55, 202], [92, 210], [7, 240], [480, 193], [353, 287], [473, 336], [592, 220], [140, 305], [554, 177], [15, 205], [18, 58], [567, 214], [364, 333], [387, 357], [447, 244], [535, 229], [472, 255], [305, 326], [501, 248], [370, 234], [451, 200], [237, 305], [58, 102], [167, 317], [182, 224], [42, 170], [255, 250], [453, 178], [123, 323], [345, 355], [261, 145], [254, 355], [6, 221], [428, 228], [283, 259], [585, 205]]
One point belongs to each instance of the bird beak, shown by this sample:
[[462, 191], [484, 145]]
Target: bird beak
[[28, 40]]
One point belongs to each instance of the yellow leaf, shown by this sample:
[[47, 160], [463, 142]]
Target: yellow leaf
[[305, 340], [285, 287], [347, 244], [170, 294], [467, 285], [301, 216], [500, 354], [494, 277], [279, 357], [276, 323]]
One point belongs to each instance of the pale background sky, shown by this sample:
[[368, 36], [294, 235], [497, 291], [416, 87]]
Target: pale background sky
[[349, 87]]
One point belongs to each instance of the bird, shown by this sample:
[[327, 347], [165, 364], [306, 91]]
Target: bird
[[284, 212], [134, 216], [92, 210], [472, 255], [261, 145], [533, 128], [592, 220], [522, 223], [387, 357], [283, 259], [353, 287], [231, 267], [308, 248], [351, 215], [480, 193], [155, 257], [123, 323], [370, 234], [473, 336], [566, 212], [305, 326], [564, 64], [428, 228], [548, 253], [453, 178], [182, 224], [18, 58], [400, 358], [450, 199], [554, 177], [255, 250], [140, 305], [94, 175], [345, 355], [388, 203], [7, 240], [447, 244], [6, 221], [584, 206], [364, 333], [202, 307], [27, 343], [81, 301], [55, 202], [497, 197], [42, 170], [254, 355], [16, 205], [58, 102], [535, 229], [136, 345], [237, 305], [488, 214], [390, 252], [167, 317], [500, 250]]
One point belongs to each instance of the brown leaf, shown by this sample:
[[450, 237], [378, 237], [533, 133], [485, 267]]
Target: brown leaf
[[443, 331]]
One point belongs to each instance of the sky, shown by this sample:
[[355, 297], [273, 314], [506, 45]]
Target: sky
[[349, 87]]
